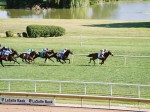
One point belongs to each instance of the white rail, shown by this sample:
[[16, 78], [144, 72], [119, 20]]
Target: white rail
[[85, 86], [125, 57]]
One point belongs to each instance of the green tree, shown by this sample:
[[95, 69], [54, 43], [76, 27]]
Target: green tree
[[22, 3]]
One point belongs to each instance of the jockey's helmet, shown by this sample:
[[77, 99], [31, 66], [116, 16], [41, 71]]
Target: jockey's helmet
[[5, 47]]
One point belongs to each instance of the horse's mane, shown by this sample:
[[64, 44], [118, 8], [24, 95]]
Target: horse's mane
[[108, 53], [68, 51], [50, 51], [13, 49]]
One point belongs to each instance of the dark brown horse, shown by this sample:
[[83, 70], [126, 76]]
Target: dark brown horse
[[10, 57], [64, 57], [94, 56], [45, 55], [29, 58]]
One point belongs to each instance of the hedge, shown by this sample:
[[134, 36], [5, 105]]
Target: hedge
[[9, 34], [44, 31]]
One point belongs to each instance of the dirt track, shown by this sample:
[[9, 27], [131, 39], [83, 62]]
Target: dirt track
[[29, 108]]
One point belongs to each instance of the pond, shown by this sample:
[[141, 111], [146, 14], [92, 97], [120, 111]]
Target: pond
[[122, 10]]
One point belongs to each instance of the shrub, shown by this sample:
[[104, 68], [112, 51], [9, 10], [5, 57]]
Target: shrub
[[92, 2], [44, 31], [19, 34], [24, 34], [9, 34]]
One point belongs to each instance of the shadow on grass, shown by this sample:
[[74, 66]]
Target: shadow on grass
[[123, 25], [48, 65], [86, 65], [12, 65]]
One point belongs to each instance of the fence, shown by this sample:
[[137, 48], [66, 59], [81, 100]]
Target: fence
[[72, 87], [126, 56], [81, 98]]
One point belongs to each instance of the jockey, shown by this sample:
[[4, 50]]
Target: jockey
[[28, 51], [6, 52], [3, 50], [44, 51], [60, 54], [102, 52], [63, 51]]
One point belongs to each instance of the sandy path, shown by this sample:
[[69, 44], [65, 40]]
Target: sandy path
[[29, 108]]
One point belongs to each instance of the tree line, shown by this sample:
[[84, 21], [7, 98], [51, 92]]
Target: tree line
[[16, 4]]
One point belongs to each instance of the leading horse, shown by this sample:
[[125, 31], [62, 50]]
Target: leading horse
[[11, 57], [64, 57], [94, 56]]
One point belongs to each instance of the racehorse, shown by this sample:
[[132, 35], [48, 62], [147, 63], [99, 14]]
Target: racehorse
[[10, 57], [47, 55], [94, 56], [64, 57], [29, 58]]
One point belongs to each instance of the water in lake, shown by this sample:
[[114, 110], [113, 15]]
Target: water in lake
[[122, 10]]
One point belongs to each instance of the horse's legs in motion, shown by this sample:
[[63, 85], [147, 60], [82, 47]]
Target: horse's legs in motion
[[31, 60], [45, 60], [66, 59], [90, 60], [59, 60], [102, 62], [1, 62], [14, 59], [93, 60], [22, 60], [51, 59], [26, 61]]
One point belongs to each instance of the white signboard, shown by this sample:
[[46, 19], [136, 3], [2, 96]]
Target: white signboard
[[41, 101], [27, 101]]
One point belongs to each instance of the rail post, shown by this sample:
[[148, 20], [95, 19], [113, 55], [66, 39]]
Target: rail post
[[35, 86], [111, 89], [84, 88], [9, 86], [139, 90], [60, 87], [81, 40], [125, 60], [72, 57]]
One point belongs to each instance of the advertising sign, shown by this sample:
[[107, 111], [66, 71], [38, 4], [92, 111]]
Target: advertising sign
[[27, 101]]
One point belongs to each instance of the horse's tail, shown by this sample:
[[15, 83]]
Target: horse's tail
[[19, 55], [90, 55]]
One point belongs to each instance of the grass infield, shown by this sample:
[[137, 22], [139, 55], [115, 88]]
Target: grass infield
[[121, 37]]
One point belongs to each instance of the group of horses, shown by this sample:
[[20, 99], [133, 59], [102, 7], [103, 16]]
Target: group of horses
[[29, 58]]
